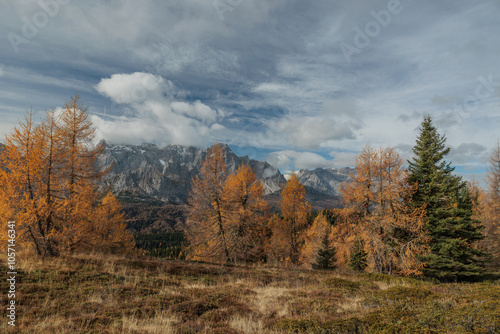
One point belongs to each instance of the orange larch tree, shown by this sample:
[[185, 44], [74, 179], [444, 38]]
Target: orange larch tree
[[288, 230], [111, 228], [313, 237], [359, 195], [51, 187], [82, 172], [208, 225], [25, 190], [490, 207], [377, 204], [247, 214]]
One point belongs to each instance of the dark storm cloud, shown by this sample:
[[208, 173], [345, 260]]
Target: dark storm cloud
[[272, 74]]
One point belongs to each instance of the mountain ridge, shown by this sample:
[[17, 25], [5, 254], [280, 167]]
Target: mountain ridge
[[152, 173], [165, 173]]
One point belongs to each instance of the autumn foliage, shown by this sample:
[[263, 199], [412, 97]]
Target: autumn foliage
[[487, 208], [317, 251], [288, 229], [247, 213], [378, 209], [226, 212], [49, 185]]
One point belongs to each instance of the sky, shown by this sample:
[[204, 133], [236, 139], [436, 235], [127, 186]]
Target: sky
[[301, 84]]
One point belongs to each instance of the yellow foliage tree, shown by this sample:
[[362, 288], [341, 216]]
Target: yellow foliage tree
[[50, 179], [313, 237], [288, 230], [247, 214], [226, 213], [110, 226], [488, 207], [377, 204], [208, 224]]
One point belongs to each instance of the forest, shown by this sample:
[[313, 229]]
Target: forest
[[408, 219], [418, 221], [411, 225]]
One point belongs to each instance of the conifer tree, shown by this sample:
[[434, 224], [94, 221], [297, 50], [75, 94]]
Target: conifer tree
[[246, 214], [493, 203], [358, 257], [208, 224], [325, 259], [488, 207], [50, 186], [294, 209], [377, 203], [448, 210], [288, 230], [313, 239]]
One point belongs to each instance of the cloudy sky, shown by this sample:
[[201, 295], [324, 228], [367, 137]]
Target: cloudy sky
[[302, 84]]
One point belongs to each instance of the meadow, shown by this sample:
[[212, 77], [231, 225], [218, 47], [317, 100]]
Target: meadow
[[90, 293]]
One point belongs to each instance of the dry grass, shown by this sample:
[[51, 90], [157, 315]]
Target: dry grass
[[388, 285], [161, 323], [112, 294], [268, 301], [247, 325], [350, 305]]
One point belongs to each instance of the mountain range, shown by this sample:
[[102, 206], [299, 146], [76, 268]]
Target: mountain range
[[165, 173]]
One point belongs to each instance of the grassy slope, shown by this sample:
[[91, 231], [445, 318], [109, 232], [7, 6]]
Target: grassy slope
[[103, 294]]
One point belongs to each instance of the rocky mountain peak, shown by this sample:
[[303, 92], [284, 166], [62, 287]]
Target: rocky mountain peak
[[327, 180], [166, 173]]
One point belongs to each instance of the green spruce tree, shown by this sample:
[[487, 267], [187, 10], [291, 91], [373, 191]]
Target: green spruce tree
[[326, 255], [449, 210], [358, 258]]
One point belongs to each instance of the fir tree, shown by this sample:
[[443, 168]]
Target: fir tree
[[358, 257], [449, 210], [326, 255]]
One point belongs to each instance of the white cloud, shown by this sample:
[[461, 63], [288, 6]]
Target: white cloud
[[196, 110], [311, 132], [343, 159], [293, 160], [154, 115], [271, 87], [132, 88]]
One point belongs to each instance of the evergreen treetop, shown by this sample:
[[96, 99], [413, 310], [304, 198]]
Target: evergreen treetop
[[449, 210], [358, 260], [326, 255]]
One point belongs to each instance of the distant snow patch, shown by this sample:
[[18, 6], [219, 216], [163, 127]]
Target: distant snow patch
[[162, 162]]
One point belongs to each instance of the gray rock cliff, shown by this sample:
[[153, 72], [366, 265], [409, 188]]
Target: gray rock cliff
[[165, 173]]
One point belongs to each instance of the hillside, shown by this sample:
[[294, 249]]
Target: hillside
[[109, 294]]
